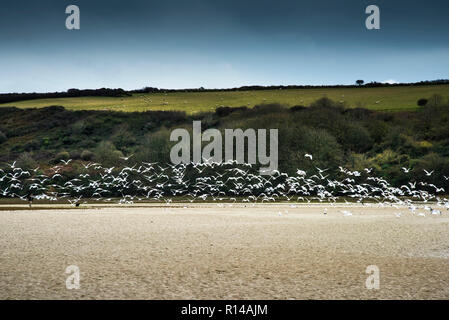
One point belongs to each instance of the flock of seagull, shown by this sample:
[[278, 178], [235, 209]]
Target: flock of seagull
[[221, 183]]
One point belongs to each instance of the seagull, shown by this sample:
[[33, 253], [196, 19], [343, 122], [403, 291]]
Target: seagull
[[435, 212], [126, 158], [13, 165], [321, 170], [428, 173], [227, 181]]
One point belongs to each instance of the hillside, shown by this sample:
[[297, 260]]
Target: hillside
[[336, 136], [393, 98]]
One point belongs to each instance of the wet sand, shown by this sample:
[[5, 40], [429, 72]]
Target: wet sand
[[230, 252]]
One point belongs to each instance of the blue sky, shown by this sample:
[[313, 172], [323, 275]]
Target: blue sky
[[219, 44]]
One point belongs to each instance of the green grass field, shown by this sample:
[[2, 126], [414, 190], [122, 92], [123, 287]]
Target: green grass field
[[384, 98]]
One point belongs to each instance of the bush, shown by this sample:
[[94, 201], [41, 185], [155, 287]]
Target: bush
[[156, 147], [432, 162], [107, 154], [79, 127], [87, 155], [298, 140], [356, 138], [389, 158], [377, 129], [3, 137], [26, 161], [262, 109], [209, 121], [75, 154], [358, 162], [435, 101], [149, 126], [325, 103], [297, 108], [422, 102], [63, 155], [223, 111], [32, 145], [123, 139]]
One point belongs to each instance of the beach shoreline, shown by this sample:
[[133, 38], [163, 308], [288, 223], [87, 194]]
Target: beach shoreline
[[231, 251]]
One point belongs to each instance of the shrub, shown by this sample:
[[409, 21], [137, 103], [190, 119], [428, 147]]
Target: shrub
[[432, 162], [79, 126], [356, 138], [223, 111], [268, 108], [63, 155], [358, 162], [3, 137], [88, 143], [209, 121], [323, 102], [297, 108], [26, 161], [389, 158], [435, 101], [394, 139], [298, 140], [149, 126], [422, 102], [75, 154], [242, 108], [377, 129], [87, 155], [45, 142], [32, 145], [123, 139], [107, 154], [156, 147]]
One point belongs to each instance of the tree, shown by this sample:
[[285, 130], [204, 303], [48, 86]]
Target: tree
[[422, 102], [360, 82]]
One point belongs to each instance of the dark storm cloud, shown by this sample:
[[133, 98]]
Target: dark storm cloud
[[247, 41]]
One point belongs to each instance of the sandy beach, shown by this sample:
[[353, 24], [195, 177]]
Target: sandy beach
[[227, 252]]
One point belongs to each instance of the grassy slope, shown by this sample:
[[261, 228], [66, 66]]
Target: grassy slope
[[387, 98]]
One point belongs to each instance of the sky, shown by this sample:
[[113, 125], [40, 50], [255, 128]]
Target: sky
[[219, 44]]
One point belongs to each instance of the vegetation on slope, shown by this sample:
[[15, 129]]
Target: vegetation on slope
[[336, 136]]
